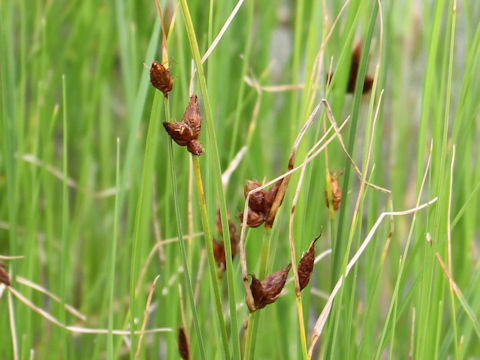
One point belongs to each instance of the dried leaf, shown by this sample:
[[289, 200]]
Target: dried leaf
[[160, 78], [336, 191], [270, 196], [183, 345], [267, 291], [186, 132], [4, 277], [305, 266]]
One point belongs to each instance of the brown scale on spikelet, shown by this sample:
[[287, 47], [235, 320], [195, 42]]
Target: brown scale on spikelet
[[160, 78], [186, 132], [259, 203], [183, 345], [352, 77], [4, 277], [267, 291], [219, 246], [336, 191], [305, 266]]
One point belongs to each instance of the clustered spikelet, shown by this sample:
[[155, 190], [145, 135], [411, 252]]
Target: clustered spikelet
[[183, 345], [352, 77], [186, 132], [259, 203], [4, 277], [336, 191], [219, 246], [305, 266], [267, 291], [160, 78]]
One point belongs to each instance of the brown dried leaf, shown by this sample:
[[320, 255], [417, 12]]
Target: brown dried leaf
[[4, 277], [336, 191], [183, 345], [305, 266], [270, 196], [267, 291], [160, 78]]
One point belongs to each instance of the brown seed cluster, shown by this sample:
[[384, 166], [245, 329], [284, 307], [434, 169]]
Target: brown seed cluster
[[160, 78], [4, 277], [186, 132], [352, 77], [305, 266], [259, 203], [267, 291], [336, 191], [219, 246], [183, 345]]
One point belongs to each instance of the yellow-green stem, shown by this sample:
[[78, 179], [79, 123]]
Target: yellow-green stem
[[211, 259]]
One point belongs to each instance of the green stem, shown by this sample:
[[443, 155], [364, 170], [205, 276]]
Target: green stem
[[184, 254], [254, 318], [217, 175], [211, 259]]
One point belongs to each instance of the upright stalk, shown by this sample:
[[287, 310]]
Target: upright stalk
[[217, 175], [184, 254], [211, 259]]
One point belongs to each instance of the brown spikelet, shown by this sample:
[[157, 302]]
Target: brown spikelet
[[186, 132], [183, 345], [267, 291], [259, 203], [160, 78], [4, 277], [352, 76], [305, 266], [336, 191], [219, 246]]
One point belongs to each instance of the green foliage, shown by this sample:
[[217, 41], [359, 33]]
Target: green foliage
[[85, 211]]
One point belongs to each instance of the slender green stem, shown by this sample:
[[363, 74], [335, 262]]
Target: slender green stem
[[184, 254], [254, 318], [113, 255], [217, 175], [210, 258]]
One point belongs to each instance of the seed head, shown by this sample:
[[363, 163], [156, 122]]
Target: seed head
[[160, 78]]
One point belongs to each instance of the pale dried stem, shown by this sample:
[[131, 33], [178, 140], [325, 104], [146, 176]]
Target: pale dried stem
[[13, 328], [331, 118], [164, 37], [145, 316], [52, 296], [319, 325], [102, 194], [412, 336], [18, 257], [217, 39], [233, 166], [77, 329]]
